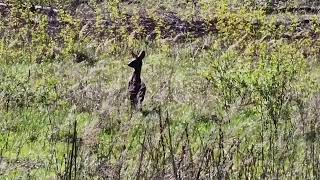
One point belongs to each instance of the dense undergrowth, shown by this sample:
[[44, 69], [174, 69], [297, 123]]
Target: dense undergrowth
[[241, 102]]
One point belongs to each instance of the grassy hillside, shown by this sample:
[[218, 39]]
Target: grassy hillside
[[232, 90]]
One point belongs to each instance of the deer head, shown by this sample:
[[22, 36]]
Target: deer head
[[136, 62]]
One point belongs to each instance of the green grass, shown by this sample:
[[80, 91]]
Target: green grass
[[217, 107]]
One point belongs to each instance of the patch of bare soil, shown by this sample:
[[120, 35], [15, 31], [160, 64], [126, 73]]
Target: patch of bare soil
[[163, 24]]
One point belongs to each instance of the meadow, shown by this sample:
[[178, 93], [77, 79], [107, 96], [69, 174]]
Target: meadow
[[232, 89]]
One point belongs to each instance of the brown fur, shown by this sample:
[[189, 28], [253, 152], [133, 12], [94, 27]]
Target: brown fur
[[136, 88]]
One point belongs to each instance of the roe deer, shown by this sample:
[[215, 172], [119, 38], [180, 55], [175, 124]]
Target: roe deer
[[136, 88]]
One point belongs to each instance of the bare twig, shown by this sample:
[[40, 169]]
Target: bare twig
[[171, 148]]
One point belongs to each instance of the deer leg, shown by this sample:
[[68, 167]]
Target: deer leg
[[133, 100], [140, 97]]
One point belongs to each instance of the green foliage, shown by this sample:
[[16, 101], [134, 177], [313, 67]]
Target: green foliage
[[241, 103]]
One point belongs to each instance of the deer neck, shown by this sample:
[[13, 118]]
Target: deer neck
[[136, 75]]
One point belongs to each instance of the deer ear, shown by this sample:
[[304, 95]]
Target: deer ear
[[142, 55], [133, 54]]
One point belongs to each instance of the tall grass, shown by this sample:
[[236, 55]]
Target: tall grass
[[238, 104]]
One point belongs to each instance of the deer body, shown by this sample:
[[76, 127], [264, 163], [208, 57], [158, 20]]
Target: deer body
[[136, 87]]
